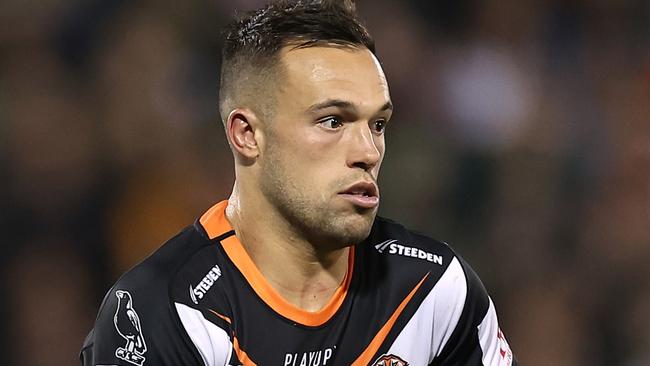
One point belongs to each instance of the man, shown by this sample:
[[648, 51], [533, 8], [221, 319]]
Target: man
[[295, 268]]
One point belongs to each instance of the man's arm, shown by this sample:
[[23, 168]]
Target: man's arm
[[468, 324]]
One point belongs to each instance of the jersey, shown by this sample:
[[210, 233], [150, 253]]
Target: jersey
[[200, 300]]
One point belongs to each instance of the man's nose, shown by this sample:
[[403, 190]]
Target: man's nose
[[366, 148]]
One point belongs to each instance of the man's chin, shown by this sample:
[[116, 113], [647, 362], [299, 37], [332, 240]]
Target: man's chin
[[356, 227], [340, 225]]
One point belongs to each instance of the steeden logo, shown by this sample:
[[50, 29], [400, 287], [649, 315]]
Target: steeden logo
[[394, 247], [197, 293]]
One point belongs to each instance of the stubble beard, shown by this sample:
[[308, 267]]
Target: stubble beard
[[308, 212]]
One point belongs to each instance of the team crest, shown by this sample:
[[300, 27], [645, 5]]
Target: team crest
[[127, 323], [390, 360]]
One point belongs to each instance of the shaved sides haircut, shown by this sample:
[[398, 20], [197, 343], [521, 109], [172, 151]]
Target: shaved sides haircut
[[250, 68]]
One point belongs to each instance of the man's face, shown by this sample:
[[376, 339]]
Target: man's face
[[325, 144]]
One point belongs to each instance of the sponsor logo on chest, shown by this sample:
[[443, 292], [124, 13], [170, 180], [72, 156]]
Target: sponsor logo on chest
[[313, 358], [197, 292], [394, 247]]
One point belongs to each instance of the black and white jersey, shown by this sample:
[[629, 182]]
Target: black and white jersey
[[200, 300]]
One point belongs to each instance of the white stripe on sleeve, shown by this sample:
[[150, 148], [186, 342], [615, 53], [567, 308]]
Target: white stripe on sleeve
[[211, 341]]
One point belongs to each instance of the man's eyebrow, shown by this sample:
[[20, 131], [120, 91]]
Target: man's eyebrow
[[343, 104], [339, 103], [387, 107]]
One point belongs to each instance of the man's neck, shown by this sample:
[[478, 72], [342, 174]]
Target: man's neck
[[301, 273]]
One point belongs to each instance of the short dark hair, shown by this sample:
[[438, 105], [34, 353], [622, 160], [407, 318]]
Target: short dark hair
[[264, 32], [253, 42]]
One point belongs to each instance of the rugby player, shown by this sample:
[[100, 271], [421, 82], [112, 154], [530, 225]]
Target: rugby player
[[295, 268]]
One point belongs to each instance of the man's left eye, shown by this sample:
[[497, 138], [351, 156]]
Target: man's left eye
[[331, 123], [379, 126]]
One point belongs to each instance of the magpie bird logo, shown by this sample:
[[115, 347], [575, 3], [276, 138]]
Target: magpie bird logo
[[127, 323], [390, 360]]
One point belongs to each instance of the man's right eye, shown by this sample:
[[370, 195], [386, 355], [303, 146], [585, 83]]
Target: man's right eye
[[331, 122]]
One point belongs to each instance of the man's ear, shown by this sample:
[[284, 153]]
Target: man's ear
[[240, 128]]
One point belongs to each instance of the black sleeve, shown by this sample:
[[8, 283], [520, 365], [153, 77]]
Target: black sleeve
[[476, 339], [137, 326]]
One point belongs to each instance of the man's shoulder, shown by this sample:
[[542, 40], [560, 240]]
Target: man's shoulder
[[450, 300], [157, 271], [148, 283]]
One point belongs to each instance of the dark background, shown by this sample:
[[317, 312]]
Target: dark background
[[521, 136]]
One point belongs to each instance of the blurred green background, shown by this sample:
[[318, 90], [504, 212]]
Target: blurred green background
[[521, 136]]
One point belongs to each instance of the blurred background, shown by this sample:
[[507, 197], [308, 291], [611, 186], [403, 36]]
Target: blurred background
[[521, 136]]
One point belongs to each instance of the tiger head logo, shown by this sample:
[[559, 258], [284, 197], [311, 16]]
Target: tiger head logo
[[390, 360]]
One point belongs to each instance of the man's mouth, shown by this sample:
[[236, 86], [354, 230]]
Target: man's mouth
[[362, 194]]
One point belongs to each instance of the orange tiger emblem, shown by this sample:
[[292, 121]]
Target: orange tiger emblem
[[390, 360]]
